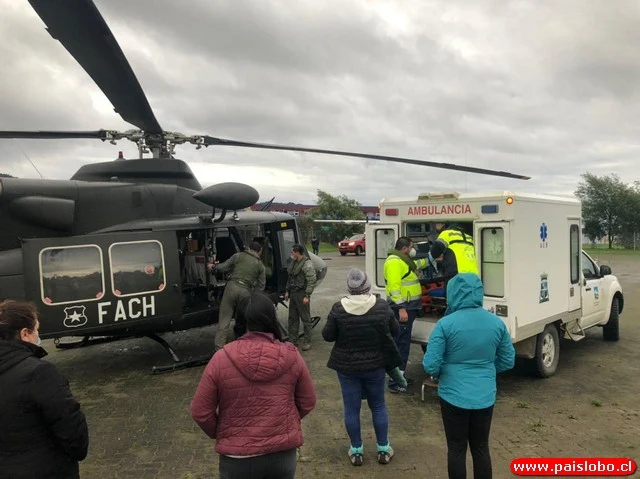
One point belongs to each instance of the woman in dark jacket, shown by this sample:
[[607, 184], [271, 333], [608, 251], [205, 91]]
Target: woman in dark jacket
[[43, 432], [363, 328]]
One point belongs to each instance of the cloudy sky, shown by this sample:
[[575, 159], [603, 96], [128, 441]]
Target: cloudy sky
[[548, 89]]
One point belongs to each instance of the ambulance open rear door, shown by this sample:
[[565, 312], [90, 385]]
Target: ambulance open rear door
[[380, 239]]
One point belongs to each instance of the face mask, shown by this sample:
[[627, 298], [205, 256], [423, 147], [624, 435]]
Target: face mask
[[39, 341], [412, 253]]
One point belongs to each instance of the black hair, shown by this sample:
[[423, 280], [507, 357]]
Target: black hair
[[14, 316], [258, 313], [298, 248], [403, 242], [437, 248]]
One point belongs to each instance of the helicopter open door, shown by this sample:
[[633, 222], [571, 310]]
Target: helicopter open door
[[94, 284]]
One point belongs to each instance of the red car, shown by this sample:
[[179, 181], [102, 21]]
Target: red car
[[355, 244]]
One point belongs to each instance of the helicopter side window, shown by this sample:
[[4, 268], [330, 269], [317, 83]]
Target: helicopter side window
[[286, 239], [137, 267], [71, 274]]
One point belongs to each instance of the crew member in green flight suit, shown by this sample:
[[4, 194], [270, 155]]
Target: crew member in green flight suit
[[246, 273], [301, 282]]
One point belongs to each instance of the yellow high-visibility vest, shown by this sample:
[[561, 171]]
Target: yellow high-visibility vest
[[401, 284], [462, 246]]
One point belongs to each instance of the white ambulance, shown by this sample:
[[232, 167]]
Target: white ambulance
[[536, 277]]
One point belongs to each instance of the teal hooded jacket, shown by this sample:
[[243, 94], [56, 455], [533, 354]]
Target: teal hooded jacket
[[468, 347]]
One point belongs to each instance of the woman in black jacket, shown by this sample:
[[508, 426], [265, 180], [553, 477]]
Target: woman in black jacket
[[43, 432], [363, 328]]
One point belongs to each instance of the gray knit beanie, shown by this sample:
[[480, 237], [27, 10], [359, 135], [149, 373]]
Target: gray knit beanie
[[358, 282]]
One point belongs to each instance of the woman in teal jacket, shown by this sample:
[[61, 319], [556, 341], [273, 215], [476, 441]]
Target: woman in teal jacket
[[467, 349]]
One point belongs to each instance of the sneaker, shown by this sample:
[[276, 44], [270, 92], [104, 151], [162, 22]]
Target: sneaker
[[385, 454], [306, 347], [399, 390], [356, 455]]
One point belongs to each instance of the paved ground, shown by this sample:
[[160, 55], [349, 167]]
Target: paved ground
[[141, 428]]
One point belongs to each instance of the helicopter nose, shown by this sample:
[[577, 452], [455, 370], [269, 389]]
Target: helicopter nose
[[320, 266]]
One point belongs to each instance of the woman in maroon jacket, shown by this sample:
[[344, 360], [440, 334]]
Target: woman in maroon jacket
[[252, 396]]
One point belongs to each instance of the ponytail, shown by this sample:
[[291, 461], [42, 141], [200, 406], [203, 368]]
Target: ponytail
[[259, 314]]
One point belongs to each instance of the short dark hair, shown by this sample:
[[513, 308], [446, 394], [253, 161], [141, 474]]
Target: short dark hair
[[403, 242], [258, 313], [298, 248], [16, 315], [255, 246]]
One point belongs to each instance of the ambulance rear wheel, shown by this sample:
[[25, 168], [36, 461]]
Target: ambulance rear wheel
[[611, 330], [547, 352]]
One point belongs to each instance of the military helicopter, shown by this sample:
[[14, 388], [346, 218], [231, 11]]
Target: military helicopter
[[120, 249]]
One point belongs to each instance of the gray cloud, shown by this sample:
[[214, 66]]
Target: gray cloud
[[545, 89]]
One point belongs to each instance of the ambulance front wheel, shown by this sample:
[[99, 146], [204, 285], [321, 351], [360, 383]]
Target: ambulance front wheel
[[547, 352]]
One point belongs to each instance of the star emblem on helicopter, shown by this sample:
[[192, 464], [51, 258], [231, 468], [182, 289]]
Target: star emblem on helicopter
[[74, 316]]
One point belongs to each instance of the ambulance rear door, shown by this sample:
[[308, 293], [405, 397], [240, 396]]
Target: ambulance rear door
[[380, 239]]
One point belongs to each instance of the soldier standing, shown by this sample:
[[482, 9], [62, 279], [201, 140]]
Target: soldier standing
[[247, 273], [301, 282]]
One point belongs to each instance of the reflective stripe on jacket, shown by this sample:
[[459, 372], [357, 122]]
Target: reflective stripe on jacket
[[401, 284], [462, 246]]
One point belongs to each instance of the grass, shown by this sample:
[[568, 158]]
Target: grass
[[604, 249], [324, 248], [536, 426], [596, 403]]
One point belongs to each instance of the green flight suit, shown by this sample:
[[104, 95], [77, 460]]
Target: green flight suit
[[300, 284], [246, 274]]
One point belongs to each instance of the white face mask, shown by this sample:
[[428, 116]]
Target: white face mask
[[412, 253]]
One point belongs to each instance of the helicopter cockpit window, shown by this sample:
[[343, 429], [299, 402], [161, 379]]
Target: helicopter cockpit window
[[137, 267], [71, 274]]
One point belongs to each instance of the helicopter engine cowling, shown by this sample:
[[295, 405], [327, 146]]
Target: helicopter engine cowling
[[55, 213]]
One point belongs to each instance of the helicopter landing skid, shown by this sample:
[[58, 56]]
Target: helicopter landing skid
[[85, 341], [314, 322], [177, 363]]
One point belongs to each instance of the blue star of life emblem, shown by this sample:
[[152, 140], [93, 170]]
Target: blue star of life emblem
[[543, 232]]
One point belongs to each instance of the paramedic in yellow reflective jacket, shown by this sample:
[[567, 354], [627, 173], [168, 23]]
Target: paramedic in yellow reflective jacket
[[404, 293], [460, 243]]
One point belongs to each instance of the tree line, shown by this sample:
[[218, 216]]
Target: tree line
[[610, 209], [329, 207]]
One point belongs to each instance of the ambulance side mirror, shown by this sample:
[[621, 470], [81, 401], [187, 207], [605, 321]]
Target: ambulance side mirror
[[605, 270]]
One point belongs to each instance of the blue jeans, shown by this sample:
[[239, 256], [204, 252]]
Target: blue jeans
[[403, 338], [371, 383]]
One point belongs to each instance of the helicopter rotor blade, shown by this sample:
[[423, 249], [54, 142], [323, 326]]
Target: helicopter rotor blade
[[79, 26], [211, 141], [54, 135]]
